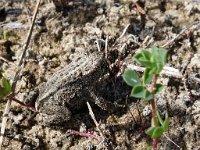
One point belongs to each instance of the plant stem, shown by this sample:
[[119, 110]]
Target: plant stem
[[155, 144], [32, 108], [86, 134], [154, 109]]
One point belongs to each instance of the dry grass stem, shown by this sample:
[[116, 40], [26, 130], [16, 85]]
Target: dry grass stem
[[172, 141], [167, 71], [8, 104], [197, 23], [95, 121]]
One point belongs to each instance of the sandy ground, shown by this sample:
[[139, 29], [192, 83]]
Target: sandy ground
[[63, 31]]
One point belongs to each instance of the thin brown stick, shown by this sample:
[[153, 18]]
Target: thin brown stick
[[124, 31], [5, 60], [172, 141], [183, 31], [8, 104], [95, 121], [102, 137], [106, 47], [167, 71]]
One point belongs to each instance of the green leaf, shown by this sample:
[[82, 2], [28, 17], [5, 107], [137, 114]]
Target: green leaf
[[153, 70], [159, 67], [147, 76], [148, 96], [138, 56], [159, 57], [138, 91], [154, 52], [6, 88], [150, 130], [149, 148], [156, 69], [3, 92], [162, 56], [5, 35], [159, 118], [146, 54], [158, 131], [153, 59], [145, 63], [131, 77], [165, 124], [6, 85], [159, 88], [143, 58]]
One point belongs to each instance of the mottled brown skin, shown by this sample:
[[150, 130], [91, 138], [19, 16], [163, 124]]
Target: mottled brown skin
[[60, 4], [68, 89]]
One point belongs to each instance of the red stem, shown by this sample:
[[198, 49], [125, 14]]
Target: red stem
[[154, 109], [155, 144], [32, 108], [86, 134]]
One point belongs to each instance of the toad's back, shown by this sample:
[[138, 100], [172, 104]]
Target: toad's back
[[84, 69]]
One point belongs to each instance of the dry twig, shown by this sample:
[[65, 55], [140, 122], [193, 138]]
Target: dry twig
[[95, 121], [8, 104], [106, 47], [167, 71], [183, 31], [5, 60], [172, 141], [124, 31]]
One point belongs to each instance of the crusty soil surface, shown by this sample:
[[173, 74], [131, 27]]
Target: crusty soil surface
[[60, 33]]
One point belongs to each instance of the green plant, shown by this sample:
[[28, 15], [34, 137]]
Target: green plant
[[6, 35], [5, 87], [153, 61]]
